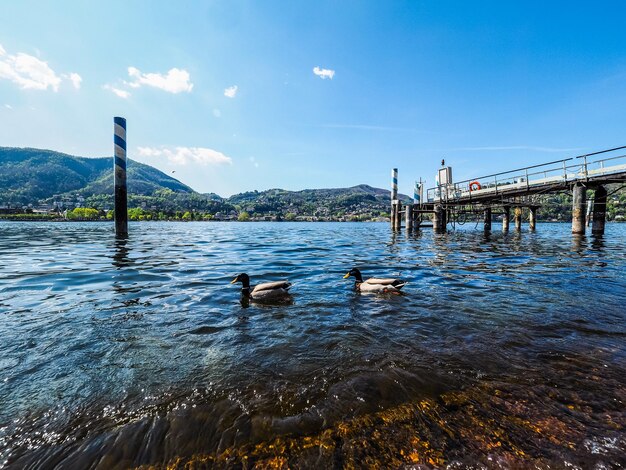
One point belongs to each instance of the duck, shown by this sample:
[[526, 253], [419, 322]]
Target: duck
[[267, 290], [375, 285]]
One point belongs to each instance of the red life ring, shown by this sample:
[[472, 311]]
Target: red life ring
[[475, 186]]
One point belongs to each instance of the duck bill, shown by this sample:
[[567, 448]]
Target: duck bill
[[233, 281], [347, 276]]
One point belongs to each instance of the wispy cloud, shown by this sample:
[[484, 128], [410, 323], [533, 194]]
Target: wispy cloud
[[117, 91], [514, 147], [324, 73], [31, 73], [217, 113], [185, 155], [231, 91], [76, 79], [254, 162], [174, 81], [8, 106], [367, 127]]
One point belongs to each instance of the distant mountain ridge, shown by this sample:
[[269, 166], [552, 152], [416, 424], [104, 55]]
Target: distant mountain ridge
[[28, 174], [33, 176]]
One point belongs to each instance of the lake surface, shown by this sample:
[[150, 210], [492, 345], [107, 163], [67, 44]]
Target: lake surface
[[506, 350]]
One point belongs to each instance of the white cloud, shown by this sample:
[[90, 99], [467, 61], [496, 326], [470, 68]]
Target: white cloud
[[27, 71], [217, 113], [75, 79], [185, 155], [8, 106], [175, 81], [324, 73], [32, 73], [254, 162], [121, 93], [231, 91]]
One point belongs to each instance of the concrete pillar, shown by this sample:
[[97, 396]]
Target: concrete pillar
[[416, 220], [487, 219], [506, 218], [408, 216], [119, 171], [532, 222], [399, 216], [599, 211], [517, 216], [439, 219], [579, 204], [396, 215]]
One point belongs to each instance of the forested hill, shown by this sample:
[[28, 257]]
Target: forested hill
[[46, 178], [29, 175]]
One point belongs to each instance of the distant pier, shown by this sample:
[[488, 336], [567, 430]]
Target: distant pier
[[512, 193]]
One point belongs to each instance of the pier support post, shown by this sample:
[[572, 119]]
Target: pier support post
[[517, 216], [506, 218], [599, 211], [488, 219], [415, 217], [119, 171], [396, 215], [579, 204], [439, 219], [408, 216], [532, 220]]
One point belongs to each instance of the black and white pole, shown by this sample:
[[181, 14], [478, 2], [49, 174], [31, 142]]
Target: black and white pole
[[395, 204], [119, 170]]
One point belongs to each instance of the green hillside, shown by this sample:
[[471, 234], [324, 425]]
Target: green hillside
[[30, 175]]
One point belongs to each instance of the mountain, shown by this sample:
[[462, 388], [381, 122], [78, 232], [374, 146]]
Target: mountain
[[28, 175], [35, 176]]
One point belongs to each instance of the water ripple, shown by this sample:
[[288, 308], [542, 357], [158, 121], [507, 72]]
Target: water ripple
[[139, 351]]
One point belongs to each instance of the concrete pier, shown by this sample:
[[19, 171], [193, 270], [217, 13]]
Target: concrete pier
[[517, 216], [506, 218], [532, 219], [119, 171], [395, 209], [579, 205], [599, 211], [439, 219], [408, 216], [488, 219]]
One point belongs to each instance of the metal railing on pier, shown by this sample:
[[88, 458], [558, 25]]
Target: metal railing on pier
[[533, 178]]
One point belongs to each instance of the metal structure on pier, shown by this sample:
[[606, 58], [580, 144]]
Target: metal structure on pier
[[521, 189]]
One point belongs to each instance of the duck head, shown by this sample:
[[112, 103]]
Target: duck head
[[356, 273], [244, 279]]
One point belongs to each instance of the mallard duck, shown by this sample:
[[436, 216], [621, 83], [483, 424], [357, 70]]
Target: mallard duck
[[375, 284], [267, 290]]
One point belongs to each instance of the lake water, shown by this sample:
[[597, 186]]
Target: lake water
[[506, 350]]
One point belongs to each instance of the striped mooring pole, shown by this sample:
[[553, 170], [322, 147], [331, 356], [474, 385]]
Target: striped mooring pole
[[119, 170], [417, 193], [395, 205]]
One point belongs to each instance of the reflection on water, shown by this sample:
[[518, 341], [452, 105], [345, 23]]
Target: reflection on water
[[507, 350]]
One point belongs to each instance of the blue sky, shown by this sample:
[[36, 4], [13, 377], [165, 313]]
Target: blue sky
[[225, 93]]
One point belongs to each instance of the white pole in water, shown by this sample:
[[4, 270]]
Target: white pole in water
[[119, 170], [394, 184]]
